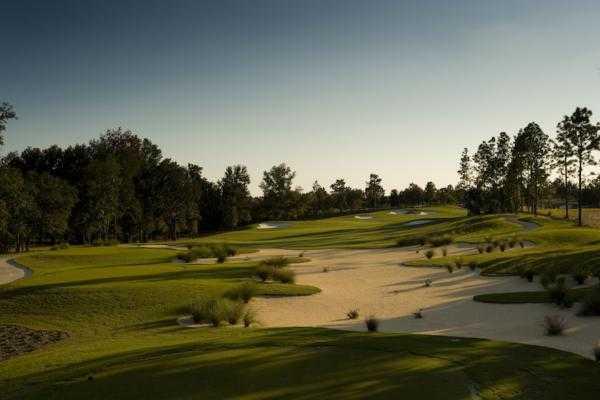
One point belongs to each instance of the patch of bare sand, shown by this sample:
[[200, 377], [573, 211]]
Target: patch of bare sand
[[10, 271], [374, 282]]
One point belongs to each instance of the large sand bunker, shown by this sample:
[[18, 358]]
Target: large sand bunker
[[374, 282], [10, 271], [398, 212], [273, 225], [363, 217]]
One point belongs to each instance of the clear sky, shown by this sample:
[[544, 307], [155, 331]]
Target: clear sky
[[333, 88]]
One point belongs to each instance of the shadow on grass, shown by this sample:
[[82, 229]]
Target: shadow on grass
[[308, 363]]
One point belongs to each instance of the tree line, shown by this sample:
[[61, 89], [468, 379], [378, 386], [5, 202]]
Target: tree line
[[119, 187], [509, 174]]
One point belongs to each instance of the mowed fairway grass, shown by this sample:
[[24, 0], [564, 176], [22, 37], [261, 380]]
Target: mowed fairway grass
[[119, 307], [381, 230]]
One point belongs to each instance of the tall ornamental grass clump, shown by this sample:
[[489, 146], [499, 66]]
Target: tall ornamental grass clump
[[216, 310], [591, 303], [554, 325], [244, 292], [284, 275], [441, 240], [218, 251], [276, 262], [372, 324]]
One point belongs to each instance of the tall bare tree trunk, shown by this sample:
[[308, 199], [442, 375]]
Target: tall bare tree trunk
[[566, 191], [579, 195]]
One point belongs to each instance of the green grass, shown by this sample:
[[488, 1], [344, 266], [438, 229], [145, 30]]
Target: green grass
[[559, 246], [382, 230], [163, 362], [119, 306]]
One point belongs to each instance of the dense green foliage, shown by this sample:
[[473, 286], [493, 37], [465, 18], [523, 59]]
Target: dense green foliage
[[121, 188], [505, 175]]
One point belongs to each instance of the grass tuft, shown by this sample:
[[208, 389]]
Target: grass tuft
[[554, 325], [372, 324]]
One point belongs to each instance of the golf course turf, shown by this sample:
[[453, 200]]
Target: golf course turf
[[119, 306]]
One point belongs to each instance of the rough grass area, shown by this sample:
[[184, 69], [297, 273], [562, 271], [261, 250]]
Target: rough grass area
[[17, 340]]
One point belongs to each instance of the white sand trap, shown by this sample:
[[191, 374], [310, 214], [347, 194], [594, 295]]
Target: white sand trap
[[273, 225], [10, 271], [363, 217], [155, 246], [418, 222], [373, 282], [398, 212], [422, 213]]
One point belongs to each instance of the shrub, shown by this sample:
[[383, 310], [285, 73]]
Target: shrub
[[352, 314], [473, 265], [428, 282], [547, 278], [243, 292], [301, 255], [480, 249], [496, 243], [429, 254], [580, 277], [265, 273], [597, 352], [325, 269], [220, 253], [186, 257], [591, 303], [60, 246], [489, 248], [522, 244], [554, 325], [372, 324], [411, 241], [107, 242], [459, 262], [450, 268], [418, 314], [512, 242], [502, 246], [529, 275], [202, 252], [558, 293], [210, 310], [444, 251], [195, 253], [249, 318], [442, 240], [284, 275], [235, 311], [230, 251], [276, 262]]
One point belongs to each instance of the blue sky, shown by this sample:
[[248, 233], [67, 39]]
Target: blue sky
[[333, 88]]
